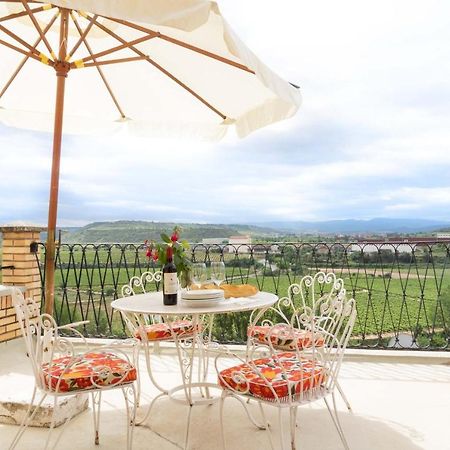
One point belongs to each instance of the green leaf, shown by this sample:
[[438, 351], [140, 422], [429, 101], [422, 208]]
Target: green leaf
[[177, 260], [165, 238], [185, 244]]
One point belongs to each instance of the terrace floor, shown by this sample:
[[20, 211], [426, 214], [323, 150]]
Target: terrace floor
[[401, 401]]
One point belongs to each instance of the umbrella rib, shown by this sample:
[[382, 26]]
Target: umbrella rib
[[183, 44], [106, 62], [80, 63], [82, 35], [100, 71], [185, 86], [38, 28], [20, 1], [25, 13], [166, 72], [33, 55], [26, 58], [207, 53], [20, 41]]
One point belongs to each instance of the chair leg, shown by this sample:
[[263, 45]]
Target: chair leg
[[341, 392], [138, 387], [263, 414], [27, 418], [156, 348], [136, 358], [149, 369], [63, 427], [186, 440], [150, 407], [96, 397], [280, 426], [335, 417], [249, 414], [344, 440], [131, 415], [52, 423], [293, 424], [222, 431]]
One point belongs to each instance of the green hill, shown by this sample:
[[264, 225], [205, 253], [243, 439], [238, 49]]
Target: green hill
[[138, 231]]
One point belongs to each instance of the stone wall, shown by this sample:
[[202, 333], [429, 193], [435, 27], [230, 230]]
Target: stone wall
[[25, 273]]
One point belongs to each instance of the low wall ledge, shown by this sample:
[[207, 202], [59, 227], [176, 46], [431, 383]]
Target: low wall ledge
[[7, 290], [18, 228]]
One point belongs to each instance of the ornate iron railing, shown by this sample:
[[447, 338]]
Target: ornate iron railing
[[402, 290]]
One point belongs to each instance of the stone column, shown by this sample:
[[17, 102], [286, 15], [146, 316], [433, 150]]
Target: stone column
[[24, 272]]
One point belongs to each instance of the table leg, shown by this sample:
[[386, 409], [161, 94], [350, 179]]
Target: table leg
[[190, 351]]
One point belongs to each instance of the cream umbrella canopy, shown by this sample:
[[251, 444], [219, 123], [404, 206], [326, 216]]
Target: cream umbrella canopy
[[146, 67]]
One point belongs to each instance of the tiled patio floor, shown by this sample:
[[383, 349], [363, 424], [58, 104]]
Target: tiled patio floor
[[397, 406]]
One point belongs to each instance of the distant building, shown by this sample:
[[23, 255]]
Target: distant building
[[373, 247], [214, 241], [443, 235], [401, 245], [239, 243]]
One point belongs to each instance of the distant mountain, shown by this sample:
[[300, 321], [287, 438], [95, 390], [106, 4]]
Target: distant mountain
[[138, 231], [123, 231], [354, 226]]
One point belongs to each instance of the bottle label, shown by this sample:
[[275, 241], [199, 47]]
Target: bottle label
[[170, 283]]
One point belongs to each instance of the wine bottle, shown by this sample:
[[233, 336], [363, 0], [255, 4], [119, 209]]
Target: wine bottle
[[170, 280]]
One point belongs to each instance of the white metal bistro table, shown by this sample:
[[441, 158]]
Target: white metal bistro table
[[195, 346], [152, 303]]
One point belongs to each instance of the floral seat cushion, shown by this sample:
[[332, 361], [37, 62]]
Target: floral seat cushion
[[276, 378], [292, 340], [162, 331], [87, 371]]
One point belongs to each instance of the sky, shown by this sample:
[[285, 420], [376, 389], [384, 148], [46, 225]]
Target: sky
[[372, 138]]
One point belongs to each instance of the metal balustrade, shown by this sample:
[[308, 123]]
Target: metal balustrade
[[402, 290]]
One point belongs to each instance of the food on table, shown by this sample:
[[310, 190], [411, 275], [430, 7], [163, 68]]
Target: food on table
[[230, 290]]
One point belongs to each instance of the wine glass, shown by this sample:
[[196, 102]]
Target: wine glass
[[217, 273], [199, 273]]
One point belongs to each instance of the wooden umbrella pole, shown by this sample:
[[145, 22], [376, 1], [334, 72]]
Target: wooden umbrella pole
[[62, 68]]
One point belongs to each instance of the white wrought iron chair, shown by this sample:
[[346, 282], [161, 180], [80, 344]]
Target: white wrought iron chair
[[59, 370], [291, 378], [312, 292], [151, 328], [141, 285]]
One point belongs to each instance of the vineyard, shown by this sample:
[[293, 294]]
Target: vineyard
[[398, 294]]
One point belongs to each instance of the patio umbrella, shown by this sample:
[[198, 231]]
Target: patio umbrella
[[144, 67]]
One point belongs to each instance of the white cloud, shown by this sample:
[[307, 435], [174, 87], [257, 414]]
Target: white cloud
[[371, 139]]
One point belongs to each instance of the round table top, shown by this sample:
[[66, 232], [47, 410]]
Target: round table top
[[152, 303]]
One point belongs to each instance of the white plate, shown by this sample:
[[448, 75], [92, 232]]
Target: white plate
[[202, 294], [202, 303]]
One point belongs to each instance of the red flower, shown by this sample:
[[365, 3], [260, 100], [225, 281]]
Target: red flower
[[174, 237], [148, 254], [155, 256]]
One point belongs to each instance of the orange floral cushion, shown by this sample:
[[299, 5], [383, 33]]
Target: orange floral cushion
[[161, 331], [284, 374], [87, 371], [300, 339]]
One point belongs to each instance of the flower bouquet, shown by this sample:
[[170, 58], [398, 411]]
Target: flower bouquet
[[157, 251]]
